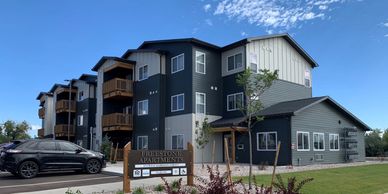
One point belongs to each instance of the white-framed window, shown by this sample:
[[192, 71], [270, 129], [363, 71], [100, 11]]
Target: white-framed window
[[80, 120], [266, 141], [200, 62], [80, 95], [253, 63], [178, 63], [142, 107], [200, 102], [143, 72], [235, 101], [177, 142], [234, 61], [334, 142], [319, 141], [142, 142], [303, 141], [177, 102], [307, 78]]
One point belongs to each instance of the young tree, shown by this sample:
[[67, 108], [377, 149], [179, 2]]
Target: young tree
[[385, 141], [106, 146], [254, 85], [373, 143], [202, 133]]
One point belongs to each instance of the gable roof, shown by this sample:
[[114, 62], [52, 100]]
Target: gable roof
[[189, 40], [55, 86], [105, 58], [130, 51], [286, 36], [294, 107], [42, 94], [90, 79]]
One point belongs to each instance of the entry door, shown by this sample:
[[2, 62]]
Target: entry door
[[229, 140]]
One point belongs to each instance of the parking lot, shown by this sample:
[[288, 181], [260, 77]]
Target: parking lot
[[53, 180]]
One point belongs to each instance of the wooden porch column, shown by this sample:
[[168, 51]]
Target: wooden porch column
[[233, 147]]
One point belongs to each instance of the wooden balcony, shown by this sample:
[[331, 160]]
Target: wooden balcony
[[118, 88], [41, 112], [61, 130], [40, 133], [117, 122], [63, 106], [62, 90]]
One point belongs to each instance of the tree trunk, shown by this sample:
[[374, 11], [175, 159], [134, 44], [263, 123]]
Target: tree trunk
[[203, 166], [250, 152]]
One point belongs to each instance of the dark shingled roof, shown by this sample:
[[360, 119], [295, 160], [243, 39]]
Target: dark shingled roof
[[290, 108], [130, 51], [42, 94], [190, 40], [105, 58]]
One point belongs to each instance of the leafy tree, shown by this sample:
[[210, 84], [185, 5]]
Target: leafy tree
[[202, 133], [373, 143], [385, 140], [254, 85], [12, 130], [106, 146]]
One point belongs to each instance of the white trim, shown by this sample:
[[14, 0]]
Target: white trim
[[172, 69], [196, 102], [266, 141], [183, 140], [297, 143], [183, 108], [142, 67], [142, 101], [204, 62], [234, 60], [141, 136], [234, 94], [317, 133], [79, 119], [334, 134]]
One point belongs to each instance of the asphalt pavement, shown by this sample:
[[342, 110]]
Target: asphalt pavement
[[53, 180]]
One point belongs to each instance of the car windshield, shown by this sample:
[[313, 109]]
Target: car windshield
[[7, 146]]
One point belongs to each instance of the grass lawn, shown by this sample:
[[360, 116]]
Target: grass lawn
[[360, 179]]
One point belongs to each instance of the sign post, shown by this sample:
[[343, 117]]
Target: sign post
[[140, 164]]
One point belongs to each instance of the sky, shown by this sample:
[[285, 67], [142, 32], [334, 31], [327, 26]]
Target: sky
[[43, 42]]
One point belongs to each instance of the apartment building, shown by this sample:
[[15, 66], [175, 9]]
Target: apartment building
[[74, 103], [156, 95]]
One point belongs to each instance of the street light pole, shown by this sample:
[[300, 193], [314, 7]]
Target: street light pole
[[69, 113]]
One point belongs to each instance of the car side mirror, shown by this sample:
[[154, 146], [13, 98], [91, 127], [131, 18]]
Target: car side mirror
[[78, 151]]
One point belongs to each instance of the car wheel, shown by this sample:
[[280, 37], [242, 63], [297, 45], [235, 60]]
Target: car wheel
[[28, 169], [93, 166]]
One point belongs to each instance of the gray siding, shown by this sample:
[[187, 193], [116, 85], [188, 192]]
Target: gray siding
[[323, 118]]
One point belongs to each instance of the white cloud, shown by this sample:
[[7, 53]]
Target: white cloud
[[386, 35], [275, 14], [194, 31], [269, 31], [209, 22], [244, 33], [207, 7], [385, 24], [36, 127]]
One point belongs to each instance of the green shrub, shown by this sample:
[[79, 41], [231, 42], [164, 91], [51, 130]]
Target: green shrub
[[159, 188]]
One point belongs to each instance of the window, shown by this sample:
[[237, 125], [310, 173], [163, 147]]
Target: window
[[142, 107], [319, 141], [142, 142], [235, 101], [80, 120], [47, 145], [80, 95], [200, 102], [334, 142], [307, 78], [200, 62], [253, 63], [143, 73], [177, 142], [65, 146], [303, 141], [266, 141], [178, 63], [234, 62], [177, 102]]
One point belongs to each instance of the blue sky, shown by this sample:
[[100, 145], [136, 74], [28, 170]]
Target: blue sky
[[45, 42]]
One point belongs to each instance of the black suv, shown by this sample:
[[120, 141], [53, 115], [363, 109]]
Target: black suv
[[27, 158]]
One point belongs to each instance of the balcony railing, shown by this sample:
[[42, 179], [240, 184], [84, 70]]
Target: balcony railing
[[41, 113], [62, 130], [63, 106], [117, 122], [40, 133], [118, 88]]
